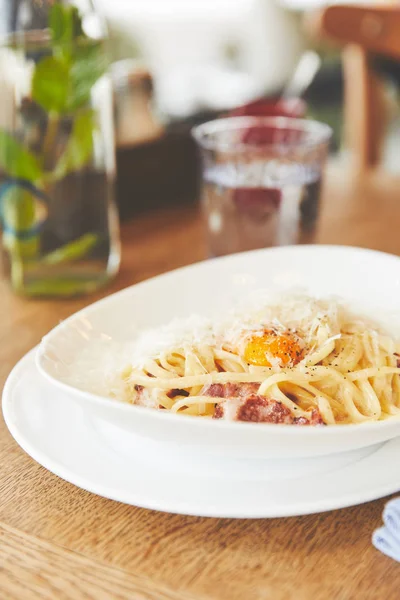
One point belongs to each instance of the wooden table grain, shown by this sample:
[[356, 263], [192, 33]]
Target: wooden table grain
[[60, 542]]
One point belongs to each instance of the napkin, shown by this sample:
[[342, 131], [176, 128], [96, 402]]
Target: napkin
[[387, 538]]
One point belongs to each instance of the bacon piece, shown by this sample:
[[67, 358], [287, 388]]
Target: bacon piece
[[301, 421], [260, 410], [230, 390], [242, 403], [176, 392], [144, 397], [257, 409], [215, 390], [218, 412], [315, 419], [254, 409], [240, 390]]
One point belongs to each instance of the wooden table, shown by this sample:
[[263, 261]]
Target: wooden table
[[60, 542]]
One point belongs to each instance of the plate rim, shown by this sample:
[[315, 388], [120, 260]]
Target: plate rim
[[177, 507]]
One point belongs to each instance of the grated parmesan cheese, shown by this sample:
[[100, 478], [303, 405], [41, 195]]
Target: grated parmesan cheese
[[102, 364], [310, 317]]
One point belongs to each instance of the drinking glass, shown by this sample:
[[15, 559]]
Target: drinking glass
[[261, 181]]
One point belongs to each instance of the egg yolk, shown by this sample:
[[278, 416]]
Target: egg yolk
[[285, 346]]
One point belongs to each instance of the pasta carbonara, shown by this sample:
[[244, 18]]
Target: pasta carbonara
[[301, 362]]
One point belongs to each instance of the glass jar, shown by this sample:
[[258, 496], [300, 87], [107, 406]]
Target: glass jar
[[57, 154]]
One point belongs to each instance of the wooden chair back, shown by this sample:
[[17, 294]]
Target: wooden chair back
[[362, 31]]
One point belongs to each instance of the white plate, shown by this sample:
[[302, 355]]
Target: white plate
[[365, 278], [56, 432]]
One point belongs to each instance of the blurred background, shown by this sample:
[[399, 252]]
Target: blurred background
[[180, 62], [73, 71]]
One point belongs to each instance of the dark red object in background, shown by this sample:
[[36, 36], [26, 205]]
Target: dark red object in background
[[272, 107], [268, 135], [294, 108], [255, 200]]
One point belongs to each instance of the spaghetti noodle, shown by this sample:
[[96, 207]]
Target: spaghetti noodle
[[302, 362]]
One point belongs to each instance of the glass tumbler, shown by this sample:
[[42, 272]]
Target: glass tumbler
[[261, 181]]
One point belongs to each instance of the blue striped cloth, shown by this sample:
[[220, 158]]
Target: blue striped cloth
[[387, 538]]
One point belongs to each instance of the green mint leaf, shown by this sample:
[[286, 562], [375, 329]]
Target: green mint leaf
[[89, 63], [60, 23], [16, 160], [65, 23], [56, 286], [73, 251], [77, 30], [63, 82], [51, 84], [79, 147]]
